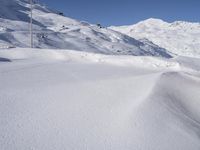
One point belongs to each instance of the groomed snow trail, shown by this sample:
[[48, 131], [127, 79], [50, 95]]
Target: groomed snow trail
[[52, 100]]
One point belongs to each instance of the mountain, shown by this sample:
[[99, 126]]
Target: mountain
[[70, 97], [53, 30], [182, 38]]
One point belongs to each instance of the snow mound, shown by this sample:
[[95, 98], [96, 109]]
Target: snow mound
[[77, 100]]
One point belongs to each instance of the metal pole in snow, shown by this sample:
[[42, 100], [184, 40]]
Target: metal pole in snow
[[31, 23]]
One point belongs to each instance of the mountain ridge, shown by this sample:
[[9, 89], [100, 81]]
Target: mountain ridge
[[53, 30], [179, 37]]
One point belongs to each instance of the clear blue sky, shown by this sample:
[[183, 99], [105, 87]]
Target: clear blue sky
[[124, 12]]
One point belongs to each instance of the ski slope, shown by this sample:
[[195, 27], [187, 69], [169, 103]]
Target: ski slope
[[179, 37], [55, 31], [52, 100]]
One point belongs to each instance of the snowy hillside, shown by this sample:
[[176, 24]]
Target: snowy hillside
[[179, 37], [52, 30], [80, 88], [53, 100]]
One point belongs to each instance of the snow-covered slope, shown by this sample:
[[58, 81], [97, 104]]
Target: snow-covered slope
[[52, 100], [179, 37], [52, 30], [72, 99]]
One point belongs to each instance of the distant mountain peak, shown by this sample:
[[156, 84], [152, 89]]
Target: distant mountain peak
[[153, 21], [179, 37]]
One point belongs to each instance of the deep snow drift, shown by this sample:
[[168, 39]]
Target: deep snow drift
[[179, 37], [52, 30], [51, 100]]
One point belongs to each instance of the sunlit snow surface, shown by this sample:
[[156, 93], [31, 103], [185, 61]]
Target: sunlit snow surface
[[179, 37], [94, 94], [52, 100]]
